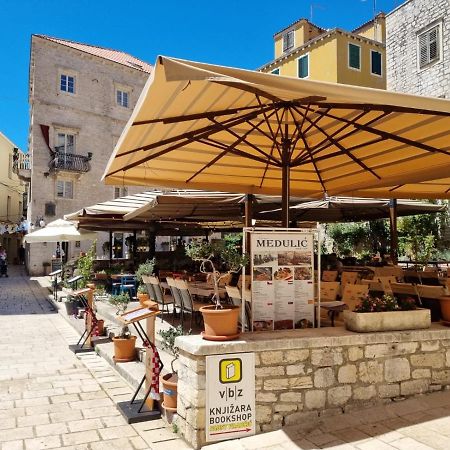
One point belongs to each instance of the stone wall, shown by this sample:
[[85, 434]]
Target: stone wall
[[402, 27], [301, 374]]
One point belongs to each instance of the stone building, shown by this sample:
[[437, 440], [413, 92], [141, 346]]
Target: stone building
[[81, 97], [418, 48]]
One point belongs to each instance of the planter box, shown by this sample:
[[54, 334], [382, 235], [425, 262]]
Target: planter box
[[387, 321]]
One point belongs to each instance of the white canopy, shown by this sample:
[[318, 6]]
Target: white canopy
[[59, 230]]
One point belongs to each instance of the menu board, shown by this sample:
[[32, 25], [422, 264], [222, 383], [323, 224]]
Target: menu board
[[282, 280]]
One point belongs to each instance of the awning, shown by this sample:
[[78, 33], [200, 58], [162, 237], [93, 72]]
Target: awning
[[58, 231]]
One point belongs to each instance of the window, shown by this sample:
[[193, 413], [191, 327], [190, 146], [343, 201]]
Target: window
[[288, 41], [120, 192], [276, 71], [8, 207], [122, 98], [65, 143], [10, 166], [303, 66], [375, 63], [429, 46], [64, 189], [354, 56], [50, 209], [67, 83]]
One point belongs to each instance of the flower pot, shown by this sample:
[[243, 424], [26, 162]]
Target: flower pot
[[220, 324], [142, 298], [387, 321], [90, 285], [71, 308], [445, 308], [100, 276], [100, 327], [170, 382], [124, 349]]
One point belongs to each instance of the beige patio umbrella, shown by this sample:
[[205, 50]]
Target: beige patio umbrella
[[59, 230], [201, 126]]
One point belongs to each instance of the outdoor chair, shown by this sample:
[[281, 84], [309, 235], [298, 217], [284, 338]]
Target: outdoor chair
[[430, 278], [248, 281], [429, 297], [329, 291], [236, 299], [329, 275], [189, 306], [160, 297], [405, 290], [386, 284], [411, 276], [149, 286], [388, 271], [349, 278], [128, 285], [353, 293], [328, 294], [177, 299]]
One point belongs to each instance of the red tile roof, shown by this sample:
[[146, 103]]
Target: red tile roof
[[106, 53]]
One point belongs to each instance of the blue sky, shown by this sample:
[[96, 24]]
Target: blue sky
[[235, 33]]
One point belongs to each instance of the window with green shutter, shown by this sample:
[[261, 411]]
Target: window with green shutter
[[429, 43], [276, 71], [303, 66], [375, 62], [354, 56]]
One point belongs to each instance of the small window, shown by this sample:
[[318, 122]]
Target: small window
[[375, 63], [288, 41], [354, 56], [65, 143], [429, 44], [67, 83], [50, 209], [64, 189], [303, 66], [122, 98], [120, 192], [276, 71]]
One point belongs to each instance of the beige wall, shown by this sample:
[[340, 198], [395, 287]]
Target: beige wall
[[94, 117]]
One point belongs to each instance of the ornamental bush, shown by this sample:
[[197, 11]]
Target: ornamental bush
[[385, 303]]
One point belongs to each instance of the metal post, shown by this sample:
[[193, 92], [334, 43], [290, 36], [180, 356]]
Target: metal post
[[285, 184], [393, 229], [110, 246]]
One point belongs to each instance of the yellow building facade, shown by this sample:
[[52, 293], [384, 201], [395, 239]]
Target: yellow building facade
[[11, 199], [304, 50]]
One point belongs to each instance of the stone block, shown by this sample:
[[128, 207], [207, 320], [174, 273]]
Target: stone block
[[364, 392], [429, 346], [447, 358], [261, 372], [441, 376], [434, 360], [263, 414], [315, 399], [266, 397], [275, 384], [370, 372], [396, 369], [324, 377], [296, 369], [300, 383], [390, 349], [421, 373], [294, 356], [285, 407], [327, 357], [302, 419], [414, 387], [340, 395], [389, 390], [291, 397], [271, 358], [347, 374], [355, 353]]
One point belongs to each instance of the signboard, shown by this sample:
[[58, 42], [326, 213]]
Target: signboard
[[230, 396], [137, 314], [282, 280]]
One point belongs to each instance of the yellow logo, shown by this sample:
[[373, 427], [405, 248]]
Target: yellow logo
[[230, 370]]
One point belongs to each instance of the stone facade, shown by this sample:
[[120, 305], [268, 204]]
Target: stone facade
[[298, 378], [402, 28], [91, 114]]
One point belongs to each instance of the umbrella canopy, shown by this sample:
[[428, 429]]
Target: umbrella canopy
[[212, 127], [345, 209], [59, 230]]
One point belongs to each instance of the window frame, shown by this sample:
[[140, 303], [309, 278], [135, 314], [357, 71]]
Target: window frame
[[427, 30], [348, 57], [381, 64], [287, 49], [122, 92], [64, 190], [65, 133], [306, 55], [68, 74], [122, 191]]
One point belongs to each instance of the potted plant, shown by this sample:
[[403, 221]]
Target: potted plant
[[71, 304], [125, 342], [170, 380], [145, 268], [221, 322], [142, 294], [386, 314], [85, 264], [100, 275]]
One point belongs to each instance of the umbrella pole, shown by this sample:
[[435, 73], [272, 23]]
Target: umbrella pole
[[393, 229], [285, 194]]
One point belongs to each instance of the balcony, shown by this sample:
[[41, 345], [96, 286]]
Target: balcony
[[70, 162], [21, 165]]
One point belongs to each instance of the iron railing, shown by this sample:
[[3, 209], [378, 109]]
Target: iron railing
[[21, 161], [70, 161]]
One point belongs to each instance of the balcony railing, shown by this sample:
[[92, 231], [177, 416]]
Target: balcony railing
[[70, 161], [21, 161]]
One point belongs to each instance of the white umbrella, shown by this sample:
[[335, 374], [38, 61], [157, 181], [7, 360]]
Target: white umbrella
[[59, 230]]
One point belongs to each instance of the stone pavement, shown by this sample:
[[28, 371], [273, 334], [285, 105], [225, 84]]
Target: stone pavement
[[50, 398]]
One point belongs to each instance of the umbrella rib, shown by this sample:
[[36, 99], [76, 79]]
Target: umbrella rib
[[314, 163], [387, 135], [269, 125], [344, 150]]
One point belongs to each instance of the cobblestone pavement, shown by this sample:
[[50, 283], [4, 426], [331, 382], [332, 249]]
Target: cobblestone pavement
[[50, 398]]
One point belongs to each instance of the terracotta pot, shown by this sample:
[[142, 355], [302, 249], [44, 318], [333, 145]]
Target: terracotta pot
[[100, 276], [101, 327], [170, 382], [445, 307], [71, 308], [90, 285], [142, 298], [220, 324], [124, 349]]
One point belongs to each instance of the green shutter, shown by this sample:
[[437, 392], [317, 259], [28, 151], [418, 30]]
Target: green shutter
[[376, 63], [354, 57], [303, 69]]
